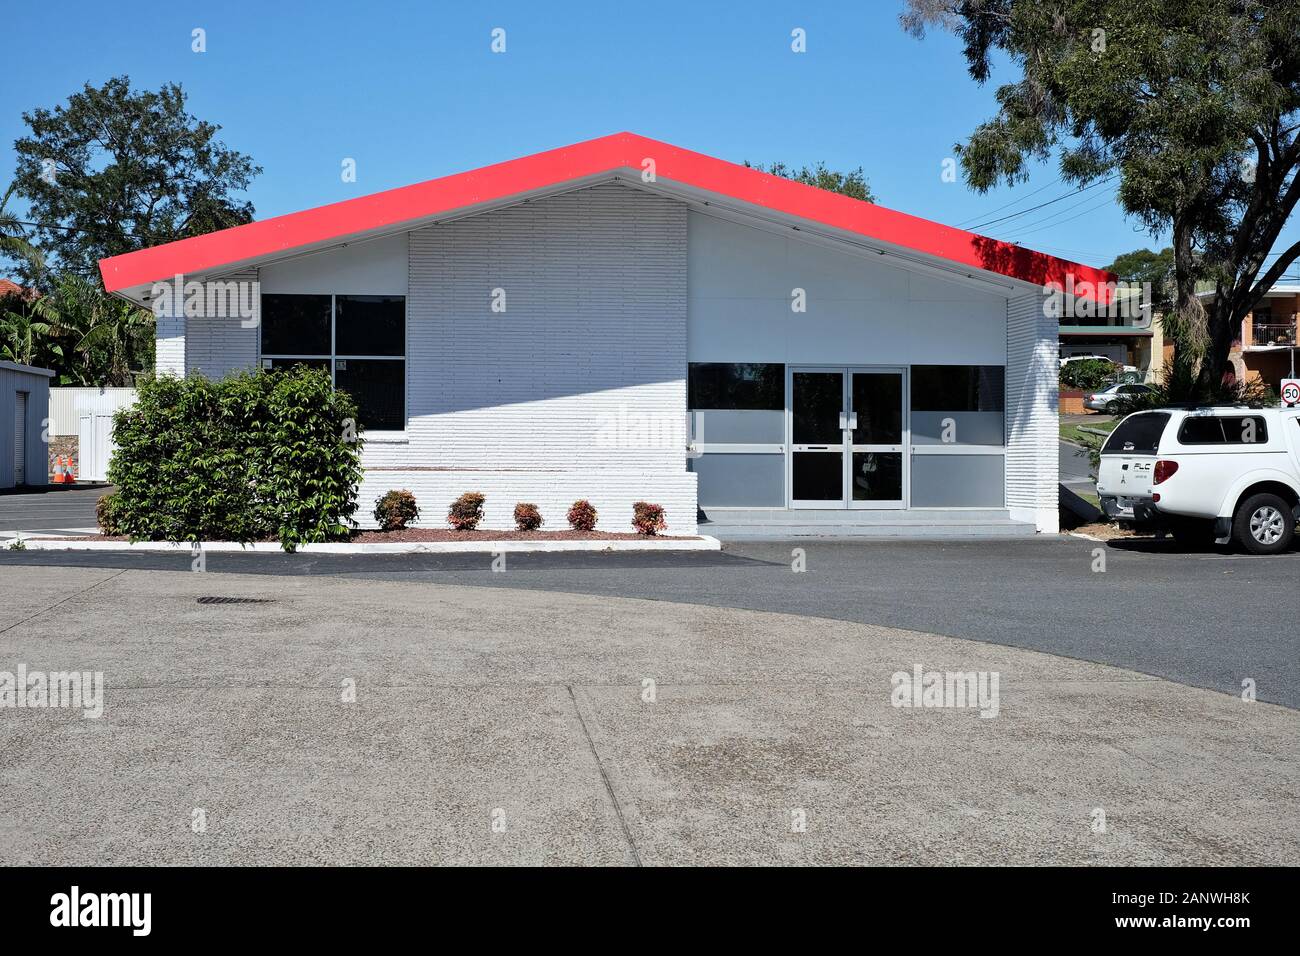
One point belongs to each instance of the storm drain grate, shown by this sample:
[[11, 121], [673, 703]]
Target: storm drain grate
[[235, 600]]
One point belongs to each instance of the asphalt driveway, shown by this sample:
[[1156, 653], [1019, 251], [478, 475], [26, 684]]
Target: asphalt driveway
[[50, 508], [361, 719]]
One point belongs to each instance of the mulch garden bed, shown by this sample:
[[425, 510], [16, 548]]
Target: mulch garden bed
[[447, 534]]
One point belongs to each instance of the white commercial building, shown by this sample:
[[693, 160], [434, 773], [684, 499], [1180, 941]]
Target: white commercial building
[[626, 320]]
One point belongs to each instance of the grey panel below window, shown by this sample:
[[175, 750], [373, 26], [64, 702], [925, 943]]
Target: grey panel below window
[[958, 481], [739, 427], [969, 428], [740, 481]]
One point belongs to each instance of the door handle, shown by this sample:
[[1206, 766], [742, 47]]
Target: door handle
[[844, 421], [853, 421]]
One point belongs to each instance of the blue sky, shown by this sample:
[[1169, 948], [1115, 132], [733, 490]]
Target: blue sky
[[412, 91]]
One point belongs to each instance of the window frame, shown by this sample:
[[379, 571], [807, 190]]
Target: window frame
[[333, 357]]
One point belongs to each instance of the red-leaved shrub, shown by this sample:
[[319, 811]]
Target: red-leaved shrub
[[527, 517], [582, 516], [648, 519], [395, 510], [466, 511]]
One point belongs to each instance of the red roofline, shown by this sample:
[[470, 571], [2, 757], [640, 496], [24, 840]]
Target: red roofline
[[422, 201]]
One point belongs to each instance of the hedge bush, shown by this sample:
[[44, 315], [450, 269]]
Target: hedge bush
[[647, 518], [395, 510], [255, 456], [104, 516], [466, 511], [527, 517], [582, 516], [1088, 374]]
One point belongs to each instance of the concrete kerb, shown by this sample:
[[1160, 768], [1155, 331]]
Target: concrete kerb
[[512, 546]]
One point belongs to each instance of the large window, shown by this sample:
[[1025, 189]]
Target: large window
[[958, 404], [958, 436], [752, 386], [958, 388], [738, 422], [359, 339]]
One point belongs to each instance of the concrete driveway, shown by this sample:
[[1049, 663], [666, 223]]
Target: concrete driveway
[[510, 725]]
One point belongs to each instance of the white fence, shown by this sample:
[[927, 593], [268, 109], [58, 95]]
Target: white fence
[[67, 405]]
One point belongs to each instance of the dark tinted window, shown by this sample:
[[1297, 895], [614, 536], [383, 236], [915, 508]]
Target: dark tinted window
[[958, 388], [378, 386], [370, 325], [295, 325], [751, 385], [1223, 430], [1137, 435]]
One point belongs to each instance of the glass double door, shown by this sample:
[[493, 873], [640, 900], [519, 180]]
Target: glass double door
[[847, 438]]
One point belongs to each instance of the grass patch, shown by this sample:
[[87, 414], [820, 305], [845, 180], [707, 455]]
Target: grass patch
[[1071, 431]]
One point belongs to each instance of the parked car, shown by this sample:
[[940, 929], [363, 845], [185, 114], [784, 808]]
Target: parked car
[[1221, 472], [1118, 398]]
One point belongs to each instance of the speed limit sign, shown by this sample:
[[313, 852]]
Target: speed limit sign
[[1290, 392]]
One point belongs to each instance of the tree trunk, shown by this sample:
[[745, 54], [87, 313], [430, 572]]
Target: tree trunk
[[1185, 326], [1222, 330]]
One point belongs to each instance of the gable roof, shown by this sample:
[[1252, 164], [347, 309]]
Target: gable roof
[[595, 160]]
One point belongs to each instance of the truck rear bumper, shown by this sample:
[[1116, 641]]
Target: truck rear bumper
[[1128, 509]]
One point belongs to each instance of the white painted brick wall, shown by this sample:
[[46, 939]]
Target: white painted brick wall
[[1033, 462], [215, 347], [169, 346], [542, 402]]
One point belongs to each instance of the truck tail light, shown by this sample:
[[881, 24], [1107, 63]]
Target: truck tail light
[[1164, 470]]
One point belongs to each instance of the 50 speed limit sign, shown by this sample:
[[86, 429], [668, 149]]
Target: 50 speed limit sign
[[1291, 392]]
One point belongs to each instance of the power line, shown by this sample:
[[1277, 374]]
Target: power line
[[1049, 202], [1048, 220], [1015, 202], [1053, 225]]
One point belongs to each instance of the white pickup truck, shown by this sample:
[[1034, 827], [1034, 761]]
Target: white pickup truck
[[1227, 471]]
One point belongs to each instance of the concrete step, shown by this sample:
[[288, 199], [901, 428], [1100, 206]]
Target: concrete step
[[865, 518], [739, 532]]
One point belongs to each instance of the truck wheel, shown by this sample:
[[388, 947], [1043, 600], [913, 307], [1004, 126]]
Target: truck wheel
[[1264, 524]]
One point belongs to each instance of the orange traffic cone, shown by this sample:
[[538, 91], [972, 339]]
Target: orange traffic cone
[[70, 474], [60, 476]]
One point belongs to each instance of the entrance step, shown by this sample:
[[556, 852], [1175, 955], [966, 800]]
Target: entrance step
[[739, 524]]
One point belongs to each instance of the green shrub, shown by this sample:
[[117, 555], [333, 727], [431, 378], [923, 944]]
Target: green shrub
[[1088, 374], [466, 511], [255, 456], [395, 510], [527, 517], [647, 518], [582, 516], [104, 516]]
